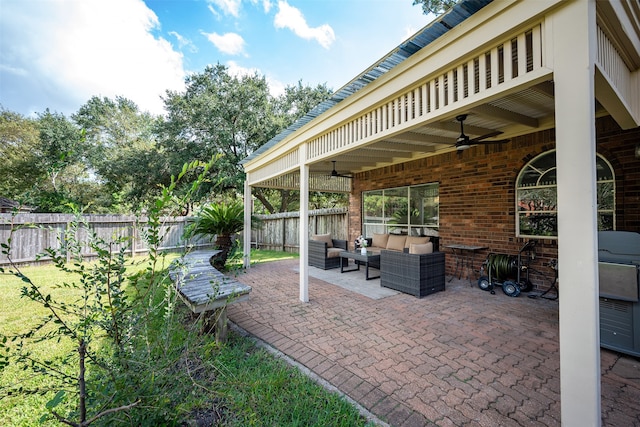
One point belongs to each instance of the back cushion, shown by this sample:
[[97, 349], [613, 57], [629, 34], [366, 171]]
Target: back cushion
[[417, 240], [396, 242], [379, 240], [419, 249], [323, 238]]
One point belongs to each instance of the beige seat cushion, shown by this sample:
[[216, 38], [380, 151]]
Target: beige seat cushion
[[379, 240], [417, 240], [323, 238], [396, 242], [419, 249], [333, 252]]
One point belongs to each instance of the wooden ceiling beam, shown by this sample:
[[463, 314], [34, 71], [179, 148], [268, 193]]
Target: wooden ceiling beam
[[455, 127], [403, 147], [499, 113]]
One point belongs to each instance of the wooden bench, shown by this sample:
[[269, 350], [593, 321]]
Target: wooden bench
[[204, 289]]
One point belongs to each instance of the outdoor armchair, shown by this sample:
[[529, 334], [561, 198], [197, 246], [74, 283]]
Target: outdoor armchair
[[324, 252]]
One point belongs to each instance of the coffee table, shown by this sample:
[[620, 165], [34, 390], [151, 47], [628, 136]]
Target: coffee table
[[369, 259]]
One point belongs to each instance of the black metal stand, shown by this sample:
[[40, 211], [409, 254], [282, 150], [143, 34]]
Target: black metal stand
[[554, 265]]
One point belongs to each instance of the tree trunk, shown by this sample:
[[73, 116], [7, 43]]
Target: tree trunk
[[224, 243]]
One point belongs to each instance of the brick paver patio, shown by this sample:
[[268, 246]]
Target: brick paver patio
[[454, 358]]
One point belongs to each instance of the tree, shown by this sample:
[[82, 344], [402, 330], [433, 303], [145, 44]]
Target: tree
[[218, 114], [44, 162], [299, 100], [221, 220], [59, 156], [121, 150], [19, 142], [232, 116], [437, 7]]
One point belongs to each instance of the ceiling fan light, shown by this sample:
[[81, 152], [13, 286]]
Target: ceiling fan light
[[462, 147]]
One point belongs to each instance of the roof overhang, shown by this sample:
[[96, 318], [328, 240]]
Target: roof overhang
[[494, 65]]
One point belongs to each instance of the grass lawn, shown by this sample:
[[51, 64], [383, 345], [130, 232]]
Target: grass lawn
[[237, 384]]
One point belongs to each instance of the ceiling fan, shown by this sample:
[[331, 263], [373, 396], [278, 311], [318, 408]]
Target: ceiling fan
[[335, 174], [464, 142]]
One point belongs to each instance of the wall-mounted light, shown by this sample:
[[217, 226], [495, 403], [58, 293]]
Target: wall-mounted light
[[638, 151]]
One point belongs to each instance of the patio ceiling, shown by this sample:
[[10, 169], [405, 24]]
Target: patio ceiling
[[519, 113], [523, 112]]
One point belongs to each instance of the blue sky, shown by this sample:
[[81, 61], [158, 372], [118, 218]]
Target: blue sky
[[56, 54]]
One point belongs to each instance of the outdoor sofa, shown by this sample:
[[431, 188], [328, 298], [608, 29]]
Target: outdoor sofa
[[324, 251], [399, 242]]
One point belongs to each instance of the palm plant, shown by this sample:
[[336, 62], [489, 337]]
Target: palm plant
[[223, 221]]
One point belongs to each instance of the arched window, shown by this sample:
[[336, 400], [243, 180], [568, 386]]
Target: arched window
[[536, 197]]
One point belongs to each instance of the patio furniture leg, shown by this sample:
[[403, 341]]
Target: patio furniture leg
[[367, 273], [346, 262]]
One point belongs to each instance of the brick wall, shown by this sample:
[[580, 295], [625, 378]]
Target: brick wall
[[477, 196], [618, 147]]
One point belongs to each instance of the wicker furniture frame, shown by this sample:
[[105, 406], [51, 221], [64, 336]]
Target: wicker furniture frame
[[318, 256], [417, 275]]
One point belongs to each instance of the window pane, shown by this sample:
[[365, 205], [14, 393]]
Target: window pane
[[605, 221], [537, 199], [401, 210], [531, 174], [603, 171], [538, 224], [529, 177], [424, 205], [369, 229], [396, 206], [536, 196], [606, 195], [372, 206]]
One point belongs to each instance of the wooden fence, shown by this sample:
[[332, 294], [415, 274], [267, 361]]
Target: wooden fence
[[281, 232], [34, 233]]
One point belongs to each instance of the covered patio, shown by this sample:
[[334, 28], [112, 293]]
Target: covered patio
[[459, 357], [557, 78]]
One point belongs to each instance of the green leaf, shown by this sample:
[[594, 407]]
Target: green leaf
[[57, 399]]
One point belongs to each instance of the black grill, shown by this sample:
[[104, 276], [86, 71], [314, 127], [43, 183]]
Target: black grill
[[619, 277]]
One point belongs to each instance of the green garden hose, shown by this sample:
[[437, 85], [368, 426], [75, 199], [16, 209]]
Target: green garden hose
[[500, 265]]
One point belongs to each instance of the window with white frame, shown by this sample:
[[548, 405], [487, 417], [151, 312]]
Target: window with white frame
[[412, 210], [536, 197]]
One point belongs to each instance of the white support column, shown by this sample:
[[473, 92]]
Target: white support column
[[248, 210], [304, 225], [573, 53]]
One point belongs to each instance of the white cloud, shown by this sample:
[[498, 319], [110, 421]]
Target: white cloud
[[237, 70], [276, 88], [18, 71], [229, 43], [184, 42], [291, 18], [228, 7], [78, 49], [266, 6]]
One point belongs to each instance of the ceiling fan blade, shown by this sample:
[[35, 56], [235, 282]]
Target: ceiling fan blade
[[489, 135], [464, 142], [334, 173], [498, 141]]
